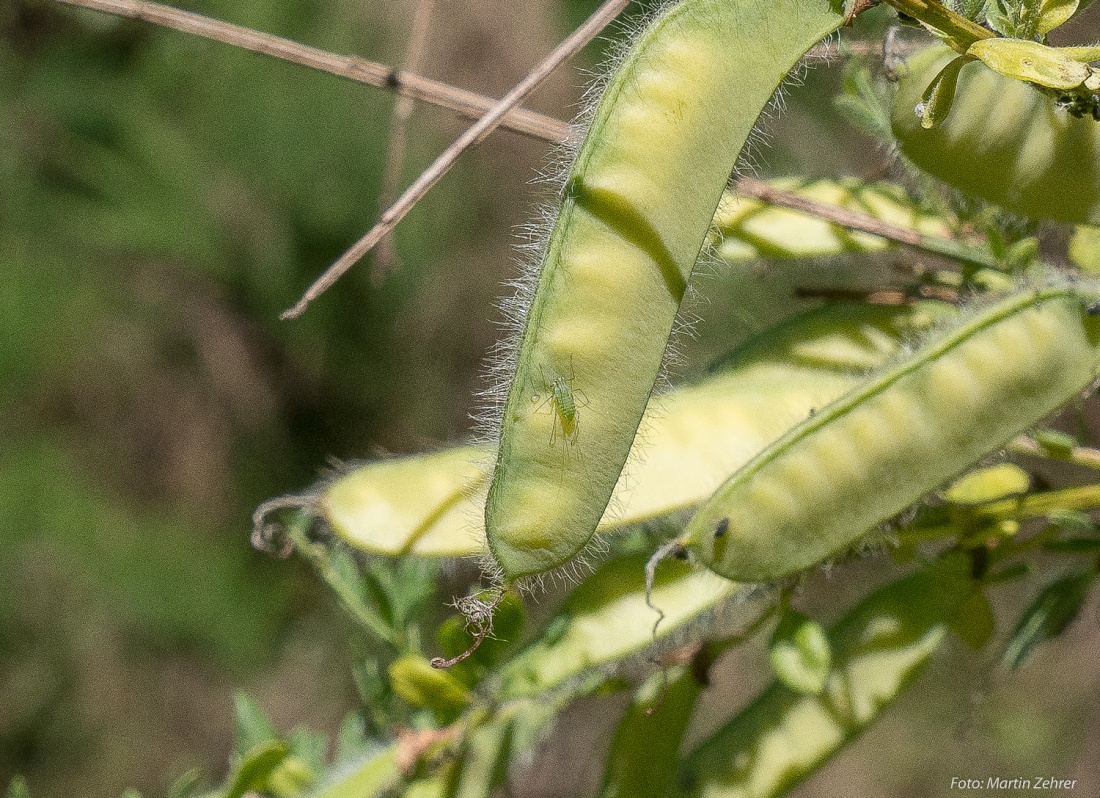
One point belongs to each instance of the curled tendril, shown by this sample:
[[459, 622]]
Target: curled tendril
[[271, 536], [479, 622]]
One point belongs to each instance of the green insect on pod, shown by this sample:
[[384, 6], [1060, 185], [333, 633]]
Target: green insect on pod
[[636, 208]]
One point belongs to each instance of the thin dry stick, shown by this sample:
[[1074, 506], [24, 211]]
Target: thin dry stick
[[474, 135], [466, 103], [864, 223], [471, 104], [385, 256]]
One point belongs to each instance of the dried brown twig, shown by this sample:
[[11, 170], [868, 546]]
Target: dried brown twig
[[473, 135], [473, 105], [385, 256], [371, 73]]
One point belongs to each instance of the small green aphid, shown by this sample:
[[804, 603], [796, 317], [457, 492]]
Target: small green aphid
[[563, 401]]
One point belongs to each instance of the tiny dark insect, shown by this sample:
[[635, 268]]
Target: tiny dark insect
[[722, 528]]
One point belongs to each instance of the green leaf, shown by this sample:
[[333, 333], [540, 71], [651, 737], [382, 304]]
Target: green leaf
[[291, 778], [18, 788], [351, 739], [187, 785], [1053, 13], [1048, 616], [940, 94], [1073, 546], [1056, 442], [975, 621], [800, 655], [251, 726], [1030, 61], [255, 767], [371, 776], [1084, 248], [309, 746], [989, 484], [1073, 520], [645, 751]]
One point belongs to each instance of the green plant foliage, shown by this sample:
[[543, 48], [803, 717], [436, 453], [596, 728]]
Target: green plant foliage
[[1052, 611], [800, 653], [642, 762], [785, 734], [871, 343]]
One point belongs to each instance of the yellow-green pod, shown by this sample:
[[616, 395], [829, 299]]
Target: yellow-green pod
[[636, 208], [1003, 141], [878, 648], [867, 456]]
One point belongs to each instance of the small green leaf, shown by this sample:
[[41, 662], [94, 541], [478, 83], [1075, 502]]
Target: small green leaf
[[1055, 442], [254, 768], [18, 788], [975, 622], [1084, 248], [940, 94], [643, 757], [187, 785], [1048, 616], [351, 740], [1073, 546], [1074, 520], [309, 746], [989, 484], [800, 653], [1014, 571], [291, 778], [1030, 61], [1053, 13], [251, 726], [373, 776]]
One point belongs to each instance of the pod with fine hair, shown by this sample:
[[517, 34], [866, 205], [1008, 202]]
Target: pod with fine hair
[[636, 209], [878, 449], [879, 647], [1003, 141]]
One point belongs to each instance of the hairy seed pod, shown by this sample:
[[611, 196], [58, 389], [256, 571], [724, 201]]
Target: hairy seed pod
[[867, 456], [1003, 141], [636, 209]]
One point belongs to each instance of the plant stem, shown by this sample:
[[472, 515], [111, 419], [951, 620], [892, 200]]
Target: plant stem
[[961, 31]]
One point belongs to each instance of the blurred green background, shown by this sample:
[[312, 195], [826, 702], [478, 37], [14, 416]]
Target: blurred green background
[[162, 199]]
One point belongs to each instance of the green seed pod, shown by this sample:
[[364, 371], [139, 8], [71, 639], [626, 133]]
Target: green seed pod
[[864, 458], [878, 648], [433, 504], [608, 619], [1004, 141], [636, 208], [643, 757]]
